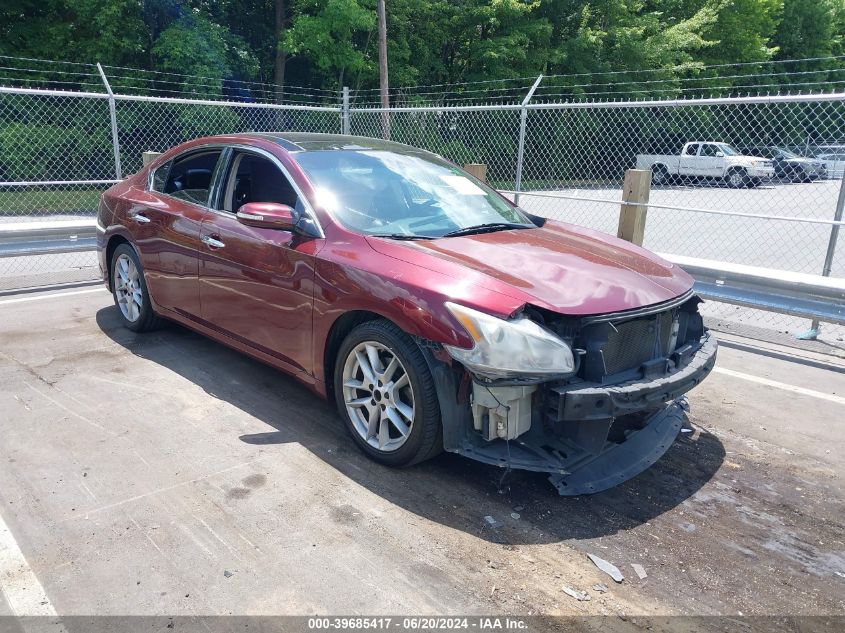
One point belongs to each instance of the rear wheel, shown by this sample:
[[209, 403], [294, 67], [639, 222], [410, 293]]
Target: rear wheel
[[130, 290], [386, 395], [736, 178], [659, 175]]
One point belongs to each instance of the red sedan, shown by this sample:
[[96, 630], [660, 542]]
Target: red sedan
[[435, 313]]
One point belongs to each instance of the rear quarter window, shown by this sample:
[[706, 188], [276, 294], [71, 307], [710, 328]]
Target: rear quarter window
[[159, 179]]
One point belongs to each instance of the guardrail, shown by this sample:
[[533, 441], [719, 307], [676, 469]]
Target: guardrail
[[22, 239], [797, 294]]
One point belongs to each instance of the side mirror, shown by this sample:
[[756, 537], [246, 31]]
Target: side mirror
[[720, 154], [268, 215]]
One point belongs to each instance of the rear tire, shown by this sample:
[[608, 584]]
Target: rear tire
[[386, 395], [129, 289], [659, 175]]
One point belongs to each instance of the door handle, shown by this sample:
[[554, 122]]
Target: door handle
[[141, 219], [211, 242]]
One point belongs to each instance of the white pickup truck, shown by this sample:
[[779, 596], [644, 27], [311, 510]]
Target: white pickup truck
[[706, 159]]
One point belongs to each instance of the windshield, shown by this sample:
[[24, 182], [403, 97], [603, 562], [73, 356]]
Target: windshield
[[785, 153], [727, 150], [378, 192]]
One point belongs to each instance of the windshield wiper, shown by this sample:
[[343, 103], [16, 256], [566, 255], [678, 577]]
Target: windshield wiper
[[401, 236], [487, 228]]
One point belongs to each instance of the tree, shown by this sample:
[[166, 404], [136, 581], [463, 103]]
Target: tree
[[196, 46], [742, 31], [807, 29], [328, 43], [333, 34], [85, 30]]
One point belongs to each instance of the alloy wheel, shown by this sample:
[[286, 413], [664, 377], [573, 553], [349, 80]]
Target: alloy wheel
[[378, 395], [127, 287]]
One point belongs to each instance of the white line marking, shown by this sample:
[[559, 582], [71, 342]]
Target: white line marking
[[780, 385], [71, 411], [18, 583], [165, 489], [52, 295]]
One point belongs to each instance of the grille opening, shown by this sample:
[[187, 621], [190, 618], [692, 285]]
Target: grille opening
[[616, 347], [634, 342]]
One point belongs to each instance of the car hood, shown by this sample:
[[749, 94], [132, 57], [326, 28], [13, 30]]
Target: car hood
[[560, 267], [801, 161], [750, 160]]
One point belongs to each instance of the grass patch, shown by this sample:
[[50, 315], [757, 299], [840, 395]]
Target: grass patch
[[37, 202]]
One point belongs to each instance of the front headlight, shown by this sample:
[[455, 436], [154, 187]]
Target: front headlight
[[509, 349]]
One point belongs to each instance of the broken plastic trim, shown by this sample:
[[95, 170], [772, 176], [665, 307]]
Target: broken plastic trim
[[639, 312], [625, 460]]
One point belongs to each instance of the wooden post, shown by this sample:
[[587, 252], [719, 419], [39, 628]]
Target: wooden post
[[148, 157], [479, 170], [632, 218], [382, 69]]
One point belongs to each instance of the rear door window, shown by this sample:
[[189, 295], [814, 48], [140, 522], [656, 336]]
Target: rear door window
[[191, 175]]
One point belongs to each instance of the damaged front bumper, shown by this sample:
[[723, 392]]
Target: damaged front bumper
[[588, 436]]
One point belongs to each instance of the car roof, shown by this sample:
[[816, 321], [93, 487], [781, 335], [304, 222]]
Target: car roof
[[312, 142]]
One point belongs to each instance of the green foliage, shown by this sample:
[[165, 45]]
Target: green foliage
[[743, 30], [808, 28], [48, 152], [330, 43], [195, 121], [328, 32], [197, 46]]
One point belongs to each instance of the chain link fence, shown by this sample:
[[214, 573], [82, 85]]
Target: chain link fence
[[59, 150], [782, 222], [573, 157], [487, 136], [154, 125]]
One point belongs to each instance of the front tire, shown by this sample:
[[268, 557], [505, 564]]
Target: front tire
[[129, 289], [386, 395], [737, 178]]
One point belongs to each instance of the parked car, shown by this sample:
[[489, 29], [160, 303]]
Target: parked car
[[707, 160], [789, 164], [434, 312], [833, 161]]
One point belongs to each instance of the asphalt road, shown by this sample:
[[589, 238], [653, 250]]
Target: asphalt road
[[166, 474]]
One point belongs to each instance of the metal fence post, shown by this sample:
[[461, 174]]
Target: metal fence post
[[831, 250], [113, 114], [344, 113], [520, 152]]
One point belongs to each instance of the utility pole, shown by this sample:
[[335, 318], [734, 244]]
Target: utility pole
[[280, 57], [382, 69]]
